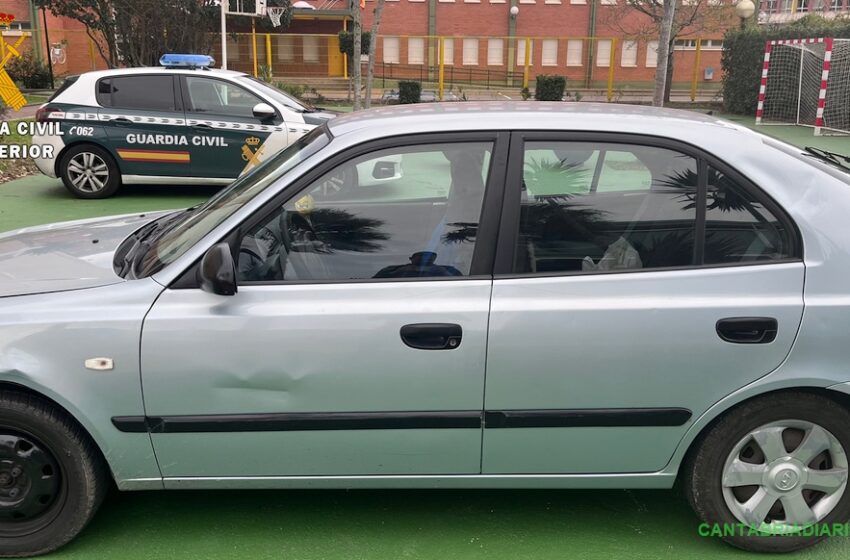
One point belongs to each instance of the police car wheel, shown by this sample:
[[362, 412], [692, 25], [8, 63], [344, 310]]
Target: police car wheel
[[89, 172]]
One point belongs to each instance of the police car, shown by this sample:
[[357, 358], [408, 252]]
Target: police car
[[181, 123]]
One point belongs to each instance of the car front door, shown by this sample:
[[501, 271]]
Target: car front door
[[356, 342], [637, 284], [145, 124], [226, 137]]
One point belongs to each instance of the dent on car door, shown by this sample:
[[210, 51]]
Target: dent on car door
[[356, 342], [618, 317]]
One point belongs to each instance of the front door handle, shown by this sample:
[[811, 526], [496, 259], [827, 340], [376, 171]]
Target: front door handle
[[432, 336], [202, 126], [122, 121], [748, 330]]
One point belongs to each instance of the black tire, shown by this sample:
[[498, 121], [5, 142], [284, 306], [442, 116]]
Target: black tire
[[37, 438], [703, 471], [88, 186]]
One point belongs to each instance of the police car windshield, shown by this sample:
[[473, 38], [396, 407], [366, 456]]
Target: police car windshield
[[278, 95], [180, 236]]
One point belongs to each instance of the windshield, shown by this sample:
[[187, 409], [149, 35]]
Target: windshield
[[183, 234], [278, 95]]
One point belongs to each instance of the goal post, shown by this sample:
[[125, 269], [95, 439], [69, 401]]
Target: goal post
[[248, 8], [806, 82]]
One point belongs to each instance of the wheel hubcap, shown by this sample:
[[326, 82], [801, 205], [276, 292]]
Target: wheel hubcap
[[88, 172], [784, 476], [30, 480]]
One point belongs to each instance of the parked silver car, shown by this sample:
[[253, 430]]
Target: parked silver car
[[537, 296]]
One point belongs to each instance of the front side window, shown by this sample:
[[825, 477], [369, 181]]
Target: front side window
[[141, 93], [216, 97], [595, 206], [406, 212]]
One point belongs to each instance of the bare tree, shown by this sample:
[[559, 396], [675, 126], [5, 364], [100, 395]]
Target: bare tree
[[355, 72], [691, 18], [664, 53], [373, 45]]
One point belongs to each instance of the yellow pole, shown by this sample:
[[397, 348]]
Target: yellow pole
[[526, 63], [696, 71], [2, 46], [254, 45], [794, 6], [345, 58], [91, 54], [611, 68], [442, 66], [269, 52]]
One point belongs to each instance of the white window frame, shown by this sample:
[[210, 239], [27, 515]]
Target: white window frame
[[467, 59], [419, 50], [629, 54], [550, 60], [571, 44], [520, 48], [651, 54], [491, 52], [603, 61], [310, 44], [285, 47], [449, 56], [395, 51]]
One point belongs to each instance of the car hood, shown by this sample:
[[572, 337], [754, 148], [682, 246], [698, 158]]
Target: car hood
[[64, 256]]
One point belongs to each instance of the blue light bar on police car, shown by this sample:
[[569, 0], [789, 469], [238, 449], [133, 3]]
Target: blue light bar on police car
[[186, 61]]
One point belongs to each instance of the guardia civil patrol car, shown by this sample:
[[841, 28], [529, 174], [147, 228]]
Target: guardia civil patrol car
[[179, 123]]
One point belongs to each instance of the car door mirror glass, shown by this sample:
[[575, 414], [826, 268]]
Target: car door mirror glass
[[384, 170], [264, 111], [218, 272]]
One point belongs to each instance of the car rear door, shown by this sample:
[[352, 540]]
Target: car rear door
[[356, 342], [145, 124], [638, 282]]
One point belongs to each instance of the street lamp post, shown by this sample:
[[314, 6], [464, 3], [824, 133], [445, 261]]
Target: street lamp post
[[745, 10]]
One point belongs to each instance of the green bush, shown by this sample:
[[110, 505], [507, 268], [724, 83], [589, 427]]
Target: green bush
[[346, 42], [29, 72], [743, 56], [295, 91], [550, 88], [409, 92]]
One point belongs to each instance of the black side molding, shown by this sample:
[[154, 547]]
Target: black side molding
[[131, 424], [587, 418]]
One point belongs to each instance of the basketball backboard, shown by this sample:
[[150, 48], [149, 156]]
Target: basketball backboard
[[252, 8]]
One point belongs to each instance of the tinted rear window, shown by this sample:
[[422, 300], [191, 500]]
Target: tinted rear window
[[146, 93]]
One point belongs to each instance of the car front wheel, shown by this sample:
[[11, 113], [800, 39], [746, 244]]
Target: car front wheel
[[88, 171], [52, 479], [771, 475]]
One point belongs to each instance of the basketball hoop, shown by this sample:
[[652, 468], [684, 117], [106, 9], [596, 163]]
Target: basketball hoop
[[275, 13]]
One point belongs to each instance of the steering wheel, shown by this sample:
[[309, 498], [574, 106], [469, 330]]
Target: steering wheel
[[259, 267], [292, 222]]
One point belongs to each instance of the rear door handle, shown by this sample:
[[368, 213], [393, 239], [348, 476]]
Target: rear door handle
[[748, 330], [432, 336], [202, 126], [122, 121]]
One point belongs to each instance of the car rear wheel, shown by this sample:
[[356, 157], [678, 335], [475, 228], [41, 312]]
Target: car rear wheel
[[771, 475], [52, 479], [88, 171]]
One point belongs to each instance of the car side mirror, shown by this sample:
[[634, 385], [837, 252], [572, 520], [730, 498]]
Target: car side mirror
[[264, 111], [383, 170], [218, 272]]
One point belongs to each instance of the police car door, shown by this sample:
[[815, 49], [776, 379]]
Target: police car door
[[145, 125], [227, 139]]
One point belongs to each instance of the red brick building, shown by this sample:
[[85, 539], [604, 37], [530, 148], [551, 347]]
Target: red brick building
[[71, 50]]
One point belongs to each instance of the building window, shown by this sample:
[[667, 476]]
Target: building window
[[608, 2], [310, 45], [603, 53], [550, 52], [574, 48], [652, 54], [705, 45], [416, 50], [391, 55], [495, 52], [628, 57], [470, 52], [520, 52], [285, 48], [578, 1], [448, 51], [233, 51]]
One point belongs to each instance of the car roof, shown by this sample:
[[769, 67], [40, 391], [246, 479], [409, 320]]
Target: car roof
[[688, 126], [160, 70]]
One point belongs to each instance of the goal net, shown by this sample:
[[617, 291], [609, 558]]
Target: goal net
[[806, 82]]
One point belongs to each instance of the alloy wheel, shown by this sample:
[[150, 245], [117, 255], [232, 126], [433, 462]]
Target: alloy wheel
[[88, 172]]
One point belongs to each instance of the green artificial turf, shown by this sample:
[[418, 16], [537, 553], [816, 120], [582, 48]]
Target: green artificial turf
[[374, 525]]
